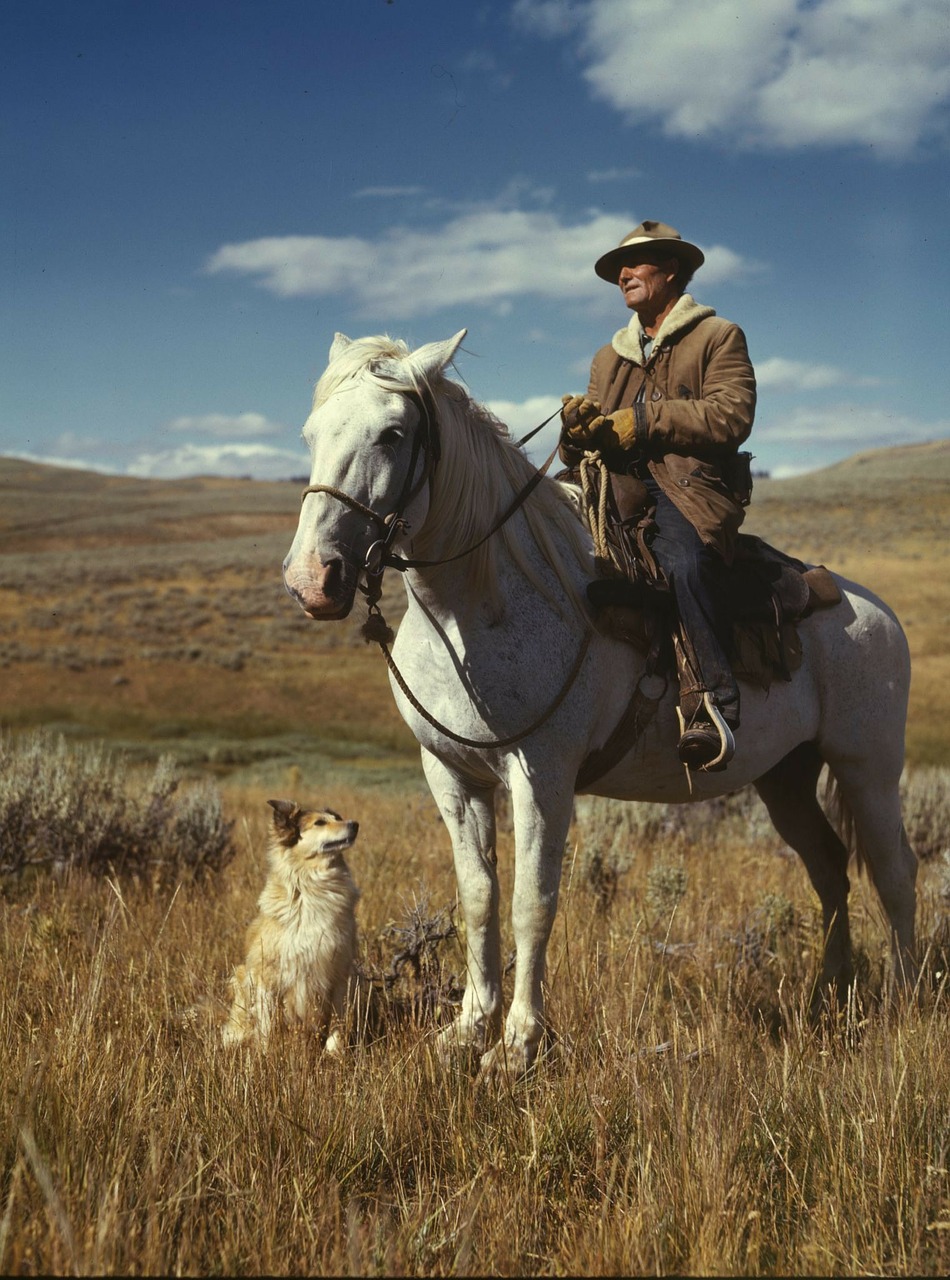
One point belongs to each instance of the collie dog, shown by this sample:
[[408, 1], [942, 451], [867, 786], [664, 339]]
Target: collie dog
[[301, 949]]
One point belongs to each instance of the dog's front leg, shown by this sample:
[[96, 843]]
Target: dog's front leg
[[469, 815], [336, 1012]]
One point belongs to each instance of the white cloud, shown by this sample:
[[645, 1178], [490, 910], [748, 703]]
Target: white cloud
[[547, 17], [777, 73], [614, 175], [522, 416], [780, 374], [227, 426], [231, 459], [59, 460], [848, 428], [483, 257], [386, 193]]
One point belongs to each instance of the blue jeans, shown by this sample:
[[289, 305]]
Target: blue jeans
[[694, 572]]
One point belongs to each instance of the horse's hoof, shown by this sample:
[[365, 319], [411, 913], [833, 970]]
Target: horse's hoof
[[460, 1049], [503, 1064]]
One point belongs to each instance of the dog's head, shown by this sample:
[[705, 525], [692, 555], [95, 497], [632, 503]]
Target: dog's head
[[311, 835]]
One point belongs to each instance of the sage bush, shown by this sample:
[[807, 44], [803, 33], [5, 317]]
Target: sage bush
[[65, 806]]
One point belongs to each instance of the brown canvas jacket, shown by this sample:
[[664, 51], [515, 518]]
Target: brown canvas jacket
[[694, 403]]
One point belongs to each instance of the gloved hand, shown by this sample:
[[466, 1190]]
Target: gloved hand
[[576, 415], [617, 432]]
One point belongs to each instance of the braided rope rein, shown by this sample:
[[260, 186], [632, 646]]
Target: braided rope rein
[[595, 491]]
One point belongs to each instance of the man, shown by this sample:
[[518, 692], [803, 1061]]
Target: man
[[671, 399]]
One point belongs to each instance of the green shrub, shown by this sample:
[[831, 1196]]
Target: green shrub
[[666, 888], [67, 806], [925, 797]]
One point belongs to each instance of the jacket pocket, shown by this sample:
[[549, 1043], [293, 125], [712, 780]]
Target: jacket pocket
[[706, 500]]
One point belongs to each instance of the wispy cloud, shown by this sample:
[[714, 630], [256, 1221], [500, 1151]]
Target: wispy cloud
[[614, 175], [522, 416], [483, 257], [238, 426], [848, 428], [54, 459], [779, 374], [777, 73], [387, 193], [227, 459]]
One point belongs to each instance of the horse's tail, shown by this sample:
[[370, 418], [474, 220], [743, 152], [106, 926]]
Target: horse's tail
[[841, 818]]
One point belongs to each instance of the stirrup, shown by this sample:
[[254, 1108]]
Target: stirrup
[[696, 740]]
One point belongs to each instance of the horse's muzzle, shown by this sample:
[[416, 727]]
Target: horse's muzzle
[[321, 591]]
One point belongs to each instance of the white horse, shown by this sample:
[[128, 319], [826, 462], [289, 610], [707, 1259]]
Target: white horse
[[511, 683]]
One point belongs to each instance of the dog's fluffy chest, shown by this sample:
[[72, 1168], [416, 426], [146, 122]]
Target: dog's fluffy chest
[[314, 912]]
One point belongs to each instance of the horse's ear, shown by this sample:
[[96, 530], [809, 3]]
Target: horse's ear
[[434, 356], [339, 345]]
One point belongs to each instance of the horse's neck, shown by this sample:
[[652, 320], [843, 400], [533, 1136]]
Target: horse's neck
[[449, 595]]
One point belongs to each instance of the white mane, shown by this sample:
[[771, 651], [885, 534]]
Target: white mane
[[479, 472]]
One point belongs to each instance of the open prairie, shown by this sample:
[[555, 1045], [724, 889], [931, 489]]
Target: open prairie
[[689, 1119], [152, 612]]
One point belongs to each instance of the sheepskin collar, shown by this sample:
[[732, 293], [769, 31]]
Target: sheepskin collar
[[628, 342]]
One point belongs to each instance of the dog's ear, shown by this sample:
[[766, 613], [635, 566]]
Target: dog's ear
[[286, 815]]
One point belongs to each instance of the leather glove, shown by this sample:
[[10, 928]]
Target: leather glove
[[618, 432], [569, 454], [576, 415]]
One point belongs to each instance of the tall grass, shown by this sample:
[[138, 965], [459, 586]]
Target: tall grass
[[687, 1118]]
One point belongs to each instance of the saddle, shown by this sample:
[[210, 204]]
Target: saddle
[[765, 594]]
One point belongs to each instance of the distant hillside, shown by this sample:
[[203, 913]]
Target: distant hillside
[[867, 500], [153, 612], [43, 507]]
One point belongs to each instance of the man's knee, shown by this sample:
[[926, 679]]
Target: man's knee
[[692, 568]]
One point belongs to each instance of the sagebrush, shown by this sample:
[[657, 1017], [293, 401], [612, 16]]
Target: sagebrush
[[82, 806]]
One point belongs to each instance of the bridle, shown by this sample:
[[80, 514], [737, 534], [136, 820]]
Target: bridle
[[380, 556], [427, 442]]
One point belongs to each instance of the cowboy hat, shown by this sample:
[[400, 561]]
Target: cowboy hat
[[651, 236]]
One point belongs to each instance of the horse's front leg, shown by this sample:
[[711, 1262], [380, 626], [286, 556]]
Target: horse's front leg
[[541, 821], [469, 815]]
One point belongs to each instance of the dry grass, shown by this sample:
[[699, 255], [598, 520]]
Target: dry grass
[[687, 1120]]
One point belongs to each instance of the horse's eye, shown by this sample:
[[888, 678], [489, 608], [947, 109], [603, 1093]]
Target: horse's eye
[[391, 436]]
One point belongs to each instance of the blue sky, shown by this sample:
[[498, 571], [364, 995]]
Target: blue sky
[[195, 195]]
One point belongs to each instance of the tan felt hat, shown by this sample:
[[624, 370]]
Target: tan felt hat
[[651, 236]]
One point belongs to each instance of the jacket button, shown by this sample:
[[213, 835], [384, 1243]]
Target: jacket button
[[656, 394], [685, 482]]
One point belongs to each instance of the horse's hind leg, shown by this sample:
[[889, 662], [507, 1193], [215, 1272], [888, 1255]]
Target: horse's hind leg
[[874, 807], [789, 792]]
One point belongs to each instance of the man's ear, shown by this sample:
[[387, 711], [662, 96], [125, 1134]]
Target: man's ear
[[286, 814]]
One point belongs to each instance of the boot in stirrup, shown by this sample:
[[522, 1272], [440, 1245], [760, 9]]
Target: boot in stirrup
[[707, 742]]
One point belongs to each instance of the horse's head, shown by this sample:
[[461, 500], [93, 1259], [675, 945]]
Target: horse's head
[[373, 444]]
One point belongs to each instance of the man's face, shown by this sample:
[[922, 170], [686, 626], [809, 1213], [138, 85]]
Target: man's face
[[648, 285]]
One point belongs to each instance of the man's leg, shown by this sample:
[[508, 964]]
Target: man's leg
[[694, 573]]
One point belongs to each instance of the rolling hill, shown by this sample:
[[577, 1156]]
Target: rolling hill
[[152, 612]]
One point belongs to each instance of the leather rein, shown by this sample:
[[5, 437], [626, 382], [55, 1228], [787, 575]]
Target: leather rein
[[380, 557]]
